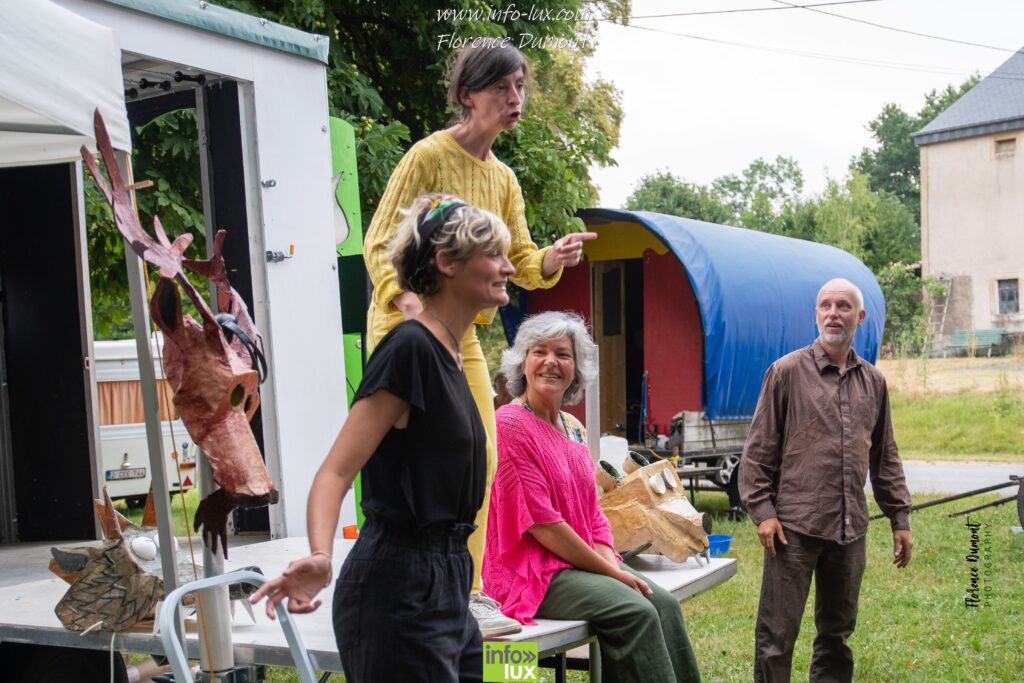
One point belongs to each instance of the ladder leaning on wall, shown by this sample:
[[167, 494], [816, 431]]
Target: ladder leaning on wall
[[937, 314]]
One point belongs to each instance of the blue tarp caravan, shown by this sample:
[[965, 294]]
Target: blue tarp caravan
[[703, 309]]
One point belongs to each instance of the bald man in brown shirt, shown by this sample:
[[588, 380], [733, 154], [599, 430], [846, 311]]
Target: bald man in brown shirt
[[822, 425]]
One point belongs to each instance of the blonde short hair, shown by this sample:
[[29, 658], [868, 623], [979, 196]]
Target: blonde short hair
[[466, 230]]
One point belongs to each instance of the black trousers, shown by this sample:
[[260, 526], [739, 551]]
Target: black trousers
[[401, 609], [838, 570]]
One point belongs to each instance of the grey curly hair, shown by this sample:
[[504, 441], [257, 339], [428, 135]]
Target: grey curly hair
[[543, 327]]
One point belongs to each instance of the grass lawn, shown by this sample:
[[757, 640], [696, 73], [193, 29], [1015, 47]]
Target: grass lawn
[[957, 408], [912, 625], [178, 514], [966, 426]]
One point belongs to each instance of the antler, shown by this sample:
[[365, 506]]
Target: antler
[[161, 252], [212, 268]]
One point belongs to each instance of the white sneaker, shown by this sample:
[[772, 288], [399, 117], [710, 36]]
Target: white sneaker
[[488, 615]]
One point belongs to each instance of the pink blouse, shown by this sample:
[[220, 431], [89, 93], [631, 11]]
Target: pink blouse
[[542, 478]]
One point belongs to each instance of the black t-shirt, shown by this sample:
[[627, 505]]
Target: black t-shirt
[[433, 471]]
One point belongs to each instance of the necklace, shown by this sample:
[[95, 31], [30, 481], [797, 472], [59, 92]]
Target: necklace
[[529, 409], [458, 354]]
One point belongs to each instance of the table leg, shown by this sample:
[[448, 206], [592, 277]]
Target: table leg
[[595, 662], [560, 666]]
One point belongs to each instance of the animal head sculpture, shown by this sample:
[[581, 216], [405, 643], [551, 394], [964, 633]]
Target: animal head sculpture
[[116, 585], [649, 506], [214, 378]]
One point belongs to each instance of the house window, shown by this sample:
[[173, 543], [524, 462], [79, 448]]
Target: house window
[[1006, 147], [1009, 296]]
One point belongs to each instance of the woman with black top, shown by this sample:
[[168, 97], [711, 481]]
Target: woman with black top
[[401, 600]]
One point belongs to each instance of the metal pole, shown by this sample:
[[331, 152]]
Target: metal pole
[[949, 499], [92, 403], [593, 411], [8, 503], [982, 507], [151, 410], [216, 652]]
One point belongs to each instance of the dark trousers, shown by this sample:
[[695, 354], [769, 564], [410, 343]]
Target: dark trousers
[[401, 609], [642, 639], [838, 570]]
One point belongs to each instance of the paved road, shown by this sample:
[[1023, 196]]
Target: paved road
[[956, 477]]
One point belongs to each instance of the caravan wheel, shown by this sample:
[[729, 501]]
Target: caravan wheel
[[728, 464], [1020, 501], [732, 489]]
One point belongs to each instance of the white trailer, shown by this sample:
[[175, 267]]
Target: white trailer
[[124, 450], [265, 161], [259, 91]]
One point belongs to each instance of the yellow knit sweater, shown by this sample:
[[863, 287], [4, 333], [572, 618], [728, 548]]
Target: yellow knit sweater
[[439, 164]]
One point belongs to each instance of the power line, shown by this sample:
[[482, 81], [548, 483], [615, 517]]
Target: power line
[[749, 9], [810, 8], [924, 68]]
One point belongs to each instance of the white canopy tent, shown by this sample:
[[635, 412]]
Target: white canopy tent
[[56, 68]]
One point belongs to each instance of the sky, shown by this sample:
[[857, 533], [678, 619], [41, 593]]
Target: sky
[[703, 109]]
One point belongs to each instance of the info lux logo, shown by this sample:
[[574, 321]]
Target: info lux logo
[[510, 662]]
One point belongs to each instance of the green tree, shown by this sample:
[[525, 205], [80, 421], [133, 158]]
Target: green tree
[[894, 165], [386, 75], [166, 152], [906, 317], [846, 214], [762, 193], [551, 157], [385, 72], [663, 192], [560, 87], [896, 237], [874, 227]]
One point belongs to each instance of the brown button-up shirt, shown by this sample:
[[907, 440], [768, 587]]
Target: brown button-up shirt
[[815, 437]]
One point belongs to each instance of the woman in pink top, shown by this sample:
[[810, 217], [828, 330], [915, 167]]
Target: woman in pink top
[[549, 549]]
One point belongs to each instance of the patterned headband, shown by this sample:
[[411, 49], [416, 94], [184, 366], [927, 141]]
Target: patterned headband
[[430, 222]]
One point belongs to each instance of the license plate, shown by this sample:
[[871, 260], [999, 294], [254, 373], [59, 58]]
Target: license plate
[[131, 473]]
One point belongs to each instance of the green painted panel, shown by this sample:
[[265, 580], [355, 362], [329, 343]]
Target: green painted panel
[[352, 274], [352, 343], [344, 169]]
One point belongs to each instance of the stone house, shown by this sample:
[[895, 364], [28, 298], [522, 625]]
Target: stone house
[[972, 205]]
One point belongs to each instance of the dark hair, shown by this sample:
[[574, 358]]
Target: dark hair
[[478, 65]]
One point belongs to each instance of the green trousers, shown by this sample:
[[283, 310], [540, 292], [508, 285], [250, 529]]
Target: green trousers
[[641, 638]]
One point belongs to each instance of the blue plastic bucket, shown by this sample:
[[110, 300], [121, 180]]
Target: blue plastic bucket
[[719, 544]]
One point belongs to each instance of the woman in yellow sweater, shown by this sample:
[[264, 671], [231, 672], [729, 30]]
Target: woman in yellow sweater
[[487, 93]]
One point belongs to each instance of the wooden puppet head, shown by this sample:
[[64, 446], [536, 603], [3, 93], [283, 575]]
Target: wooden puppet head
[[213, 365], [650, 506]]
